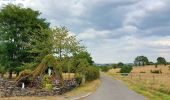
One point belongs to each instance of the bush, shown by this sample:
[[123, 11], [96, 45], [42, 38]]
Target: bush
[[47, 82], [92, 73], [105, 68], [142, 72], [78, 78], [169, 67], [156, 71], [126, 69]]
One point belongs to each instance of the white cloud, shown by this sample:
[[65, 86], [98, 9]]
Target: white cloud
[[142, 9], [94, 34], [113, 30]]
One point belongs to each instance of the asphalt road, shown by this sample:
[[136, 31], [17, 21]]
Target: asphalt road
[[111, 89]]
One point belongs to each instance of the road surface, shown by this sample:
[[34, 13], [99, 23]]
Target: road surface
[[111, 89]]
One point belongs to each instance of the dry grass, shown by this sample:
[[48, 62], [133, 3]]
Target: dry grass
[[83, 89], [146, 69], [157, 86], [67, 76]]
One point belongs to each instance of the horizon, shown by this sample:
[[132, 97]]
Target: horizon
[[113, 30]]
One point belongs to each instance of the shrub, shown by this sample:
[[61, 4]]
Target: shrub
[[169, 67], [47, 82], [92, 73], [105, 68], [156, 71], [142, 72], [78, 78], [126, 69]]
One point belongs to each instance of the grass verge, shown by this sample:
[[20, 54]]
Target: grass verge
[[84, 89], [142, 88]]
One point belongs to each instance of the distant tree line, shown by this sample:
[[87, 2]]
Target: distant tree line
[[143, 60]]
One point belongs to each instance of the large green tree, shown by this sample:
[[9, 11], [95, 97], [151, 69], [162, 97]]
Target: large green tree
[[64, 44], [23, 37], [161, 60], [141, 60]]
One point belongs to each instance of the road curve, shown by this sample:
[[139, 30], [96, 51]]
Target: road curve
[[111, 89]]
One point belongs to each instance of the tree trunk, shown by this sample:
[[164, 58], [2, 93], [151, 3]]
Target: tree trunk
[[10, 74], [17, 73]]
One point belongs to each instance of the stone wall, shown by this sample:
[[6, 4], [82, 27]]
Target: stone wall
[[7, 89]]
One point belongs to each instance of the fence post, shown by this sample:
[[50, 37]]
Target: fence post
[[139, 76], [131, 75], [153, 78]]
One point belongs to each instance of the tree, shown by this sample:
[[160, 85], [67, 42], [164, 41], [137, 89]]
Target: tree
[[84, 55], [22, 32], [64, 44], [120, 64], [141, 60], [2, 70], [126, 69], [161, 60]]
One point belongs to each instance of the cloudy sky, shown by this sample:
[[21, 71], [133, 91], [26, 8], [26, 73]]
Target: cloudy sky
[[112, 30]]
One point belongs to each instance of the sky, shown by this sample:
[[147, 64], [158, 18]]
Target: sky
[[112, 30]]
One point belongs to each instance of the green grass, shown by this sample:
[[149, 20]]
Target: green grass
[[151, 94]]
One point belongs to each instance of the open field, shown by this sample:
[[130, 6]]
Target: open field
[[154, 86], [145, 69]]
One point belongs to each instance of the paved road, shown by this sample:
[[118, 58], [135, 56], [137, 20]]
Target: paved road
[[111, 89]]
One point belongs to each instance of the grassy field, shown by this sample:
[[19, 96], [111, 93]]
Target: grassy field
[[145, 69], [153, 86]]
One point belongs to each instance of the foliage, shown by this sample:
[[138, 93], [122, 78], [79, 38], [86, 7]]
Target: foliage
[[48, 61], [151, 63], [92, 73], [141, 60], [78, 78], [126, 69], [26, 42], [2, 69], [156, 71], [161, 60], [64, 44], [114, 66], [84, 55], [105, 68], [23, 35], [120, 64], [47, 82]]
